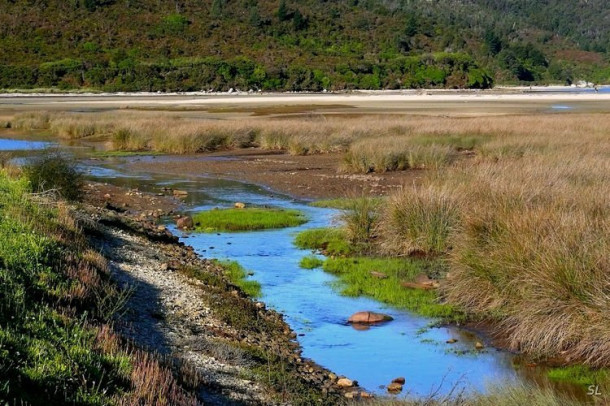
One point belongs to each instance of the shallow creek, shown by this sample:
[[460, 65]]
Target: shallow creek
[[310, 302]]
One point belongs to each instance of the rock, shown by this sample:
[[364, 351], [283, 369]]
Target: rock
[[179, 193], [345, 383], [368, 318], [332, 377], [378, 275], [421, 281], [394, 387], [240, 205], [365, 395], [161, 228], [451, 341], [479, 345], [350, 395], [399, 380], [107, 196], [185, 222]]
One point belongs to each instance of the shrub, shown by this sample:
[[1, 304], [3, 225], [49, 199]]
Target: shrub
[[54, 171]]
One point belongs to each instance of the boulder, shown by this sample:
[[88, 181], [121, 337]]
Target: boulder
[[185, 222], [240, 205], [452, 341], [394, 387], [345, 383], [479, 345], [400, 380], [368, 318], [179, 193]]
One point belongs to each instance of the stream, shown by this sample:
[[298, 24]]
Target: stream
[[309, 300]]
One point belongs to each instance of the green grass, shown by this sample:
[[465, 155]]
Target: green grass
[[247, 219], [42, 349], [237, 275], [311, 262], [331, 241], [356, 280], [579, 374]]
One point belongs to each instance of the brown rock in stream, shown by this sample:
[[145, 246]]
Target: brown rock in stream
[[368, 318]]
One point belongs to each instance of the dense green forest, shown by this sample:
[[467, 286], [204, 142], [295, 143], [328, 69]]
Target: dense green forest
[[187, 45]]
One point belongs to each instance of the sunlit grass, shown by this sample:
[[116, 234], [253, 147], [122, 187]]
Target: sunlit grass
[[247, 219], [238, 275]]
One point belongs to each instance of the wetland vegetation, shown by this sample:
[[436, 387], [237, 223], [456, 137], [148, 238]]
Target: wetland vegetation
[[247, 219]]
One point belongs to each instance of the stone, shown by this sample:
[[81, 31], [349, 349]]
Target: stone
[[350, 395], [185, 222], [378, 275], [399, 380], [365, 395], [479, 345], [240, 205], [367, 317], [179, 193], [421, 281], [451, 341], [161, 228], [394, 387], [345, 383]]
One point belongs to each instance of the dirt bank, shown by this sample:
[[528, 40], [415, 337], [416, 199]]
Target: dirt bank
[[308, 177]]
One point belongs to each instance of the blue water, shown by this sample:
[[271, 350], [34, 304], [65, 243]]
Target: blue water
[[318, 314], [7, 144]]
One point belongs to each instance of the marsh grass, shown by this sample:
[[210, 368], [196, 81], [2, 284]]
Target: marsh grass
[[248, 219], [330, 241], [418, 220], [356, 279], [311, 262], [238, 275], [342, 203], [580, 375]]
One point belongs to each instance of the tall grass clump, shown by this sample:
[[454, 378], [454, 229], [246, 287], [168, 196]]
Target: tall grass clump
[[55, 172], [394, 154], [533, 249], [360, 219], [418, 220]]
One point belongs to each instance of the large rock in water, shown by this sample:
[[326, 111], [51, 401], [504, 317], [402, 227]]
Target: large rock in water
[[185, 223], [368, 318]]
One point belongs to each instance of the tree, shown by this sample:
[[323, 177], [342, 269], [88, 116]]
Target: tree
[[282, 11], [298, 21]]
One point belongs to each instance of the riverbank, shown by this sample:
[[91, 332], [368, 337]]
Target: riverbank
[[222, 346]]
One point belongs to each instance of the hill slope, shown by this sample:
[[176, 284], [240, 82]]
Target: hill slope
[[300, 45]]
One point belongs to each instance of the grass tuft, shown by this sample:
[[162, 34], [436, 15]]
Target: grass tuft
[[247, 219]]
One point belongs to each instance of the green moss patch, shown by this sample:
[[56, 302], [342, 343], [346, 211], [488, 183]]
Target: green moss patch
[[248, 219]]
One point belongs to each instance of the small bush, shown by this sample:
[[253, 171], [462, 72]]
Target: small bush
[[54, 171]]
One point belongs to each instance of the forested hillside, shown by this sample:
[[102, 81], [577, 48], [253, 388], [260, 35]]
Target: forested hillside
[[183, 45]]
